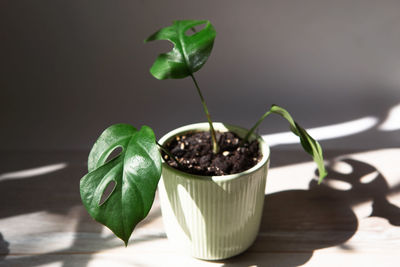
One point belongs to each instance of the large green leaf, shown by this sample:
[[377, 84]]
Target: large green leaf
[[309, 144], [135, 172], [117, 135], [190, 52]]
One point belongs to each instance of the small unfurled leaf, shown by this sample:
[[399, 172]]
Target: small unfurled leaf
[[190, 52], [135, 173], [309, 144]]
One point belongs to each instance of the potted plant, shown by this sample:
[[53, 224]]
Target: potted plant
[[213, 174]]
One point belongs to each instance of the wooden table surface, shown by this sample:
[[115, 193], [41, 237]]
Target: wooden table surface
[[352, 219]]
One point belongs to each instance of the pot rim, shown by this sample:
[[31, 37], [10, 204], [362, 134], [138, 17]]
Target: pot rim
[[219, 126]]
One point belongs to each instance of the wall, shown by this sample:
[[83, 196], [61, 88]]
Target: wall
[[71, 68]]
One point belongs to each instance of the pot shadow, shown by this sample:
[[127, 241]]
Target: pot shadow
[[295, 223], [288, 234]]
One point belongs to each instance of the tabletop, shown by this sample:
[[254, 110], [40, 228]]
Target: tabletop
[[352, 219]]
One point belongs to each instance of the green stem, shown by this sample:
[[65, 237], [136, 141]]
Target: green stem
[[168, 153], [249, 133], [212, 131]]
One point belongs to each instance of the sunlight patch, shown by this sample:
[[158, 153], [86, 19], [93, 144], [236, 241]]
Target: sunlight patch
[[325, 132], [33, 171], [392, 121]]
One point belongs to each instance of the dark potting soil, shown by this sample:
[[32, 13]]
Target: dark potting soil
[[194, 153]]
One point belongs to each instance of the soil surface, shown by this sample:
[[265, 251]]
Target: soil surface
[[194, 153]]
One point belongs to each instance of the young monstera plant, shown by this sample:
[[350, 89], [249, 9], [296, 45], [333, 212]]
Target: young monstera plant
[[136, 171]]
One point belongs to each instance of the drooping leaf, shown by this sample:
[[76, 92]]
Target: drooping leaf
[[135, 172], [190, 52], [309, 144]]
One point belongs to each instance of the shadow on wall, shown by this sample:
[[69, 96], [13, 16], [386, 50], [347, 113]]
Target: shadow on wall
[[298, 222]]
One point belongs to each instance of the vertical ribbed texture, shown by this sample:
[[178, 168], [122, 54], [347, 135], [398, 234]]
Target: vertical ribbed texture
[[212, 219]]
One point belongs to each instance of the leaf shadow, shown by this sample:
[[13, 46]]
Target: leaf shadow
[[295, 223], [288, 234]]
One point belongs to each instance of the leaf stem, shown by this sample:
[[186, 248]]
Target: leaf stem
[[309, 145], [166, 151], [212, 131], [249, 133]]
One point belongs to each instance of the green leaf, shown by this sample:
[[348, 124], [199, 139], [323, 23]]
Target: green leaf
[[135, 172], [309, 144], [189, 53], [117, 135]]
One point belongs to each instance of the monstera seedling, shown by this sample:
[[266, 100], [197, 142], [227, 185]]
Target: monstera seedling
[[135, 172], [189, 54]]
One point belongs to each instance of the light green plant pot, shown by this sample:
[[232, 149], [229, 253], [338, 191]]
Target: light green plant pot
[[213, 217]]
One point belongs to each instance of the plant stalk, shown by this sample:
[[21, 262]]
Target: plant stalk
[[249, 133], [212, 131], [168, 153]]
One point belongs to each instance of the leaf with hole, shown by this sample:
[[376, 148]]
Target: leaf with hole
[[135, 173], [190, 51], [115, 136]]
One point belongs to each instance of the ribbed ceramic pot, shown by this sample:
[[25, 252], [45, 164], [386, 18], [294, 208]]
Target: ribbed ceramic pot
[[213, 217]]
